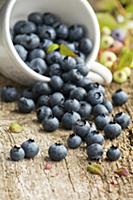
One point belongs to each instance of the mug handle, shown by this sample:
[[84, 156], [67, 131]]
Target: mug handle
[[99, 73]]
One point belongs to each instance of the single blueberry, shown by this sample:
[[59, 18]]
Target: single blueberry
[[50, 123], [69, 119], [36, 18], [78, 93], [99, 109], [94, 137], [36, 53], [9, 94], [74, 141], [112, 130], [40, 88], [95, 151], [38, 65], [101, 121], [119, 98], [85, 110], [46, 32], [113, 153], [76, 32], [58, 111], [122, 119], [17, 153], [85, 46], [71, 105], [57, 152], [22, 52], [30, 148], [56, 83], [26, 105], [49, 18], [43, 112], [81, 128], [56, 98], [94, 97]]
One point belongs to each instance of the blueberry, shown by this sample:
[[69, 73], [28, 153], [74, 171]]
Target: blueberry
[[26, 105], [72, 105], [27, 93], [94, 137], [36, 53], [85, 46], [30, 41], [76, 32], [9, 94], [100, 109], [83, 69], [56, 83], [45, 44], [119, 98], [56, 98], [54, 57], [43, 101], [38, 65], [36, 18], [85, 110], [75, 76], [24, 27], [118, 34], [94, 97], [66, 76], [108, 105], [69, 119], [81, 128], [68, 63], [50, 123], [57, 152], [122, 119], [49, 19], [46, 32], [17, 153], [58, 111], [95, 151], [43, 112], [74, 141], [67, 88], [113, 153], [83, 82], [40, 88], [95, 86], [22, 52], [112, 130], [101, 121], [61, 31], [30, 148], [55, 69], [78, 93]]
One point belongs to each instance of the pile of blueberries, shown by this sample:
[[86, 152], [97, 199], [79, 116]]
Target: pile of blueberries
[[69, 100], [33, 37]]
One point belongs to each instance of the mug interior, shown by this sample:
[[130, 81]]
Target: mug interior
[[69, 11]]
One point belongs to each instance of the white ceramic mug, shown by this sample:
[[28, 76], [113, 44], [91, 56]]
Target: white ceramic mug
[[71, 12]]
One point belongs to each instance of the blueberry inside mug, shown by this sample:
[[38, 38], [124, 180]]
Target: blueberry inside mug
[[70, 12]]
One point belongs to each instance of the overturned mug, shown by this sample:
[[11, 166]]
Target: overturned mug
[[71, 12]]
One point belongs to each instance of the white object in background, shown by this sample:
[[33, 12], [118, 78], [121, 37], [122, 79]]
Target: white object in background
[[70, 11]]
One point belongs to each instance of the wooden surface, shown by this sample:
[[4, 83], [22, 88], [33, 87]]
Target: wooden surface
[[69, 179]]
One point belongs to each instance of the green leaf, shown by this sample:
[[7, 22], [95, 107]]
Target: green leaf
[[65, 51], [106, 19], [125, 59], [52, 47], [15, 127], [95, 169]]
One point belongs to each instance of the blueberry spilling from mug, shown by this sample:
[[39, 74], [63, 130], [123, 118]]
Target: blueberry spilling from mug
[[51, 47]]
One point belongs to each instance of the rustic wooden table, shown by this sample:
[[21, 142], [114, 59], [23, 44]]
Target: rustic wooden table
[[69, 179]]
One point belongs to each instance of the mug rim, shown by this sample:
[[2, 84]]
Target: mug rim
[[21, 64]]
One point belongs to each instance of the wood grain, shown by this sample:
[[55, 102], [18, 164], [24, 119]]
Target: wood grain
[[68, 179]]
